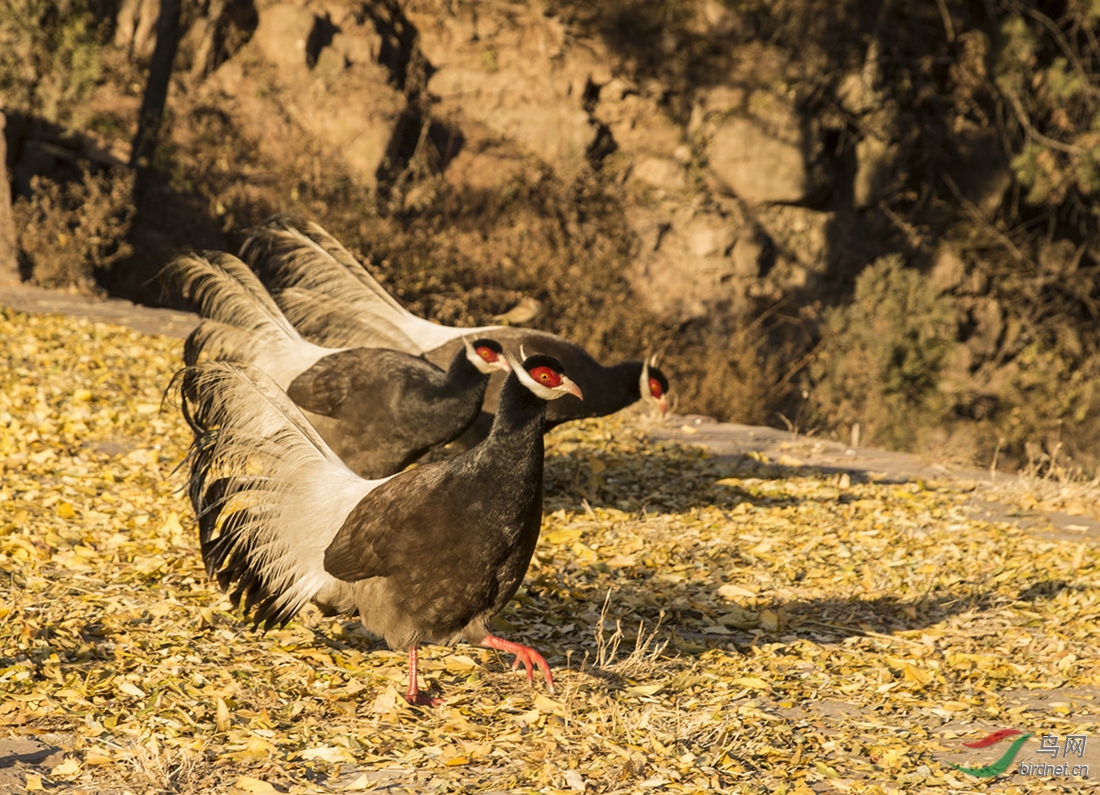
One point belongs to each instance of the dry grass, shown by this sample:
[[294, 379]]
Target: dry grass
[[1050, 484]]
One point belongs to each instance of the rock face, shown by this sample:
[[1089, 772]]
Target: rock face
[[723, 182], [714, 197], [684, 261], [321, 84], [512, 71]]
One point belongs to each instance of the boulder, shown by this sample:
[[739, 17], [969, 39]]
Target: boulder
[[512, 73], [636, 121], [281, 37], [948, 271], [660, 172], [136, 27], [683, 268], [717, 19], [875, 161], [801, 233], [756, 165], [748, 256], [709, 235]]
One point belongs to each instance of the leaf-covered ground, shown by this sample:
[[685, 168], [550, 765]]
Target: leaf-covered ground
[[714, 626]]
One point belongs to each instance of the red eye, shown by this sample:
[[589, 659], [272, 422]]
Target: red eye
[[488, 354], [546, 376], [655, 388]]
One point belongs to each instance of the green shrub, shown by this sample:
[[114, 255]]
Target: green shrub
[[882, 357], [1053, 107], [49, 58]]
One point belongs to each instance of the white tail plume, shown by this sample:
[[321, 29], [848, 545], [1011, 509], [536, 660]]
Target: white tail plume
[[268, 493]]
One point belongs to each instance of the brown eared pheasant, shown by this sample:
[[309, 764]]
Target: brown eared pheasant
[[425, 556]]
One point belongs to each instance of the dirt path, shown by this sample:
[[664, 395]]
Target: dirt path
[[866, 463], [147, 320]]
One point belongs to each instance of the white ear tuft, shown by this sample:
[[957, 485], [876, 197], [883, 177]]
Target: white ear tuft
[[522, 354], [517, 368]]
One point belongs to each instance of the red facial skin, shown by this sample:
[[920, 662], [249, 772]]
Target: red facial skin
[[659, 395], [546, 377], [488, 354]]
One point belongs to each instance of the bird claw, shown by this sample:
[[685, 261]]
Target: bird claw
[[525, 655]]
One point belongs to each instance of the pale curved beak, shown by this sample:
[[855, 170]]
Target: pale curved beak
[[571, 387], [662, 404]]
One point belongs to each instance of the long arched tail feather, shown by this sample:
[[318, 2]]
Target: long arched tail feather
[[332, 298], [241, 322], [283, 235]]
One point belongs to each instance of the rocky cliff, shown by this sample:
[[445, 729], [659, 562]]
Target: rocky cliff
[[711, 179]]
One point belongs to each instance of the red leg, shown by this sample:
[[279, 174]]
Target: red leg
[[525, 655], [413, 695]]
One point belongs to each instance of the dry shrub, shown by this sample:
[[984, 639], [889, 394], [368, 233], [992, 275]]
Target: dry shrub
[[1023, 387], [643, 661], [731, 376], [154, 768], [883, 355], [69, 230]]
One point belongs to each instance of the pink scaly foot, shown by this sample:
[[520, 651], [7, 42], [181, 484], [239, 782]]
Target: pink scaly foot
[[525, 655], [413, 694]]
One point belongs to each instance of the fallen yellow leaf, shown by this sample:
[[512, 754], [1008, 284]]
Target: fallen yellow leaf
[[222, 720], [751, 682], [67, 768], [564, 535], [252, 785]]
